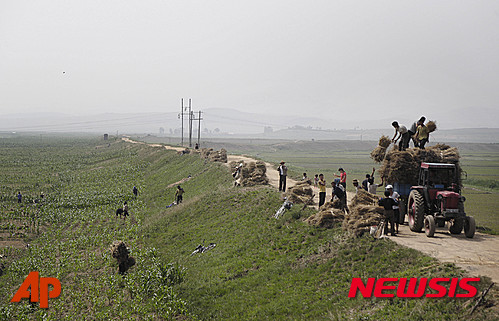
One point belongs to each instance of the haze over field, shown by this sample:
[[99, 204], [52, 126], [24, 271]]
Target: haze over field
[[325, 64]]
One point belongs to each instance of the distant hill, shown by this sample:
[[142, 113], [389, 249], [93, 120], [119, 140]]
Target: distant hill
[[233, 123]]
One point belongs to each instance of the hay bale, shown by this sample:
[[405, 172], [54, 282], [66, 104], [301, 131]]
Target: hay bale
[[363, 198], [253, 174], [384, 141], [431, 125], [378, 154], [120, 252], [300, 193], [327, 218], [205, 152], [361, 218]]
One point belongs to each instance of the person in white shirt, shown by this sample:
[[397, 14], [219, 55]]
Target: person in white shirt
[[372, 188], [402, 134], [355, 183]]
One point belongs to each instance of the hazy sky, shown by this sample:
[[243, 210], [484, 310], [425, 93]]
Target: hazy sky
[[333, 59]]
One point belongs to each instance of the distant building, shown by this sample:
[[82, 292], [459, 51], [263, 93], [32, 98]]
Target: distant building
[[106, 136], [268, 130]]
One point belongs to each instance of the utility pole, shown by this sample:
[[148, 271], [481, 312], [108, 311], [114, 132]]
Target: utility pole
[[199, 126], [181, 116], [199, 118], [187, 111]]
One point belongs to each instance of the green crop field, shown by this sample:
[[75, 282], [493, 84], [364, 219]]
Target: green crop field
[[260, 269]]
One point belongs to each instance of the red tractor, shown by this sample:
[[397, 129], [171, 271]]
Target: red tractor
[[437, 199]]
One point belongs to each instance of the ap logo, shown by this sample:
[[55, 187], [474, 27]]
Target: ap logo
[[38, 286]]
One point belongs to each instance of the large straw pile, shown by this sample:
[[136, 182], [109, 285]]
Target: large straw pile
[[361, 218], [364, 213], [120, 252], [363, 198], [301, 193], [254, 174], [214, 155], [328, 218], [378, 154], [403, 166]]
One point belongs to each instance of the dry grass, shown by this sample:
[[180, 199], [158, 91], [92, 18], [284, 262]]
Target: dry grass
[[432, 125]]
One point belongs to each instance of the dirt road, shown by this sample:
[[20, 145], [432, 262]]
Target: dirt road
[[478, 256]]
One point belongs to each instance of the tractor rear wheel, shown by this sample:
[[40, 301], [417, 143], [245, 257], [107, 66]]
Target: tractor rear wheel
[[415, 211], [456, 226], [429, 225], [469, 226]]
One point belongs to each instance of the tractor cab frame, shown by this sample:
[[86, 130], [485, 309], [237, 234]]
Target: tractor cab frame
[[437, 199]]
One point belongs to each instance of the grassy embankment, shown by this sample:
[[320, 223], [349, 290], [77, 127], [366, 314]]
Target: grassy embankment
[[260, 269], [267, 269]]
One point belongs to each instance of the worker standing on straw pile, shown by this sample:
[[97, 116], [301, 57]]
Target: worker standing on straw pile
[[322, 190], [283, 172], [414, 128], [422, 134], [401, 133]]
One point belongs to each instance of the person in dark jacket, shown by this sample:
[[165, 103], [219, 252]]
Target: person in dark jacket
[[339, 191], [387, 202]]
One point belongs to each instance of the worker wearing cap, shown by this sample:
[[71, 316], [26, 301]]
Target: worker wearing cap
[[355, 183], [396, 210], [401, 133], [283, 172]]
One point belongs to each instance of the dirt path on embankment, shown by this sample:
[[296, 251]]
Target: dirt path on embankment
[[478, 256]]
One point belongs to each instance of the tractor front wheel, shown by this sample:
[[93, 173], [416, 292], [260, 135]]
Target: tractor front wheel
[[415, 211], [429, 225], [456, 226], [469, 227]]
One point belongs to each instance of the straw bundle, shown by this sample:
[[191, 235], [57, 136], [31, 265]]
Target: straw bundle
[[384, 141], [214, 156], [254, 174], [363, 198], [327, 218], [432, 125], [378, 154], [120, 252], [301, 193], [361, 218]]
